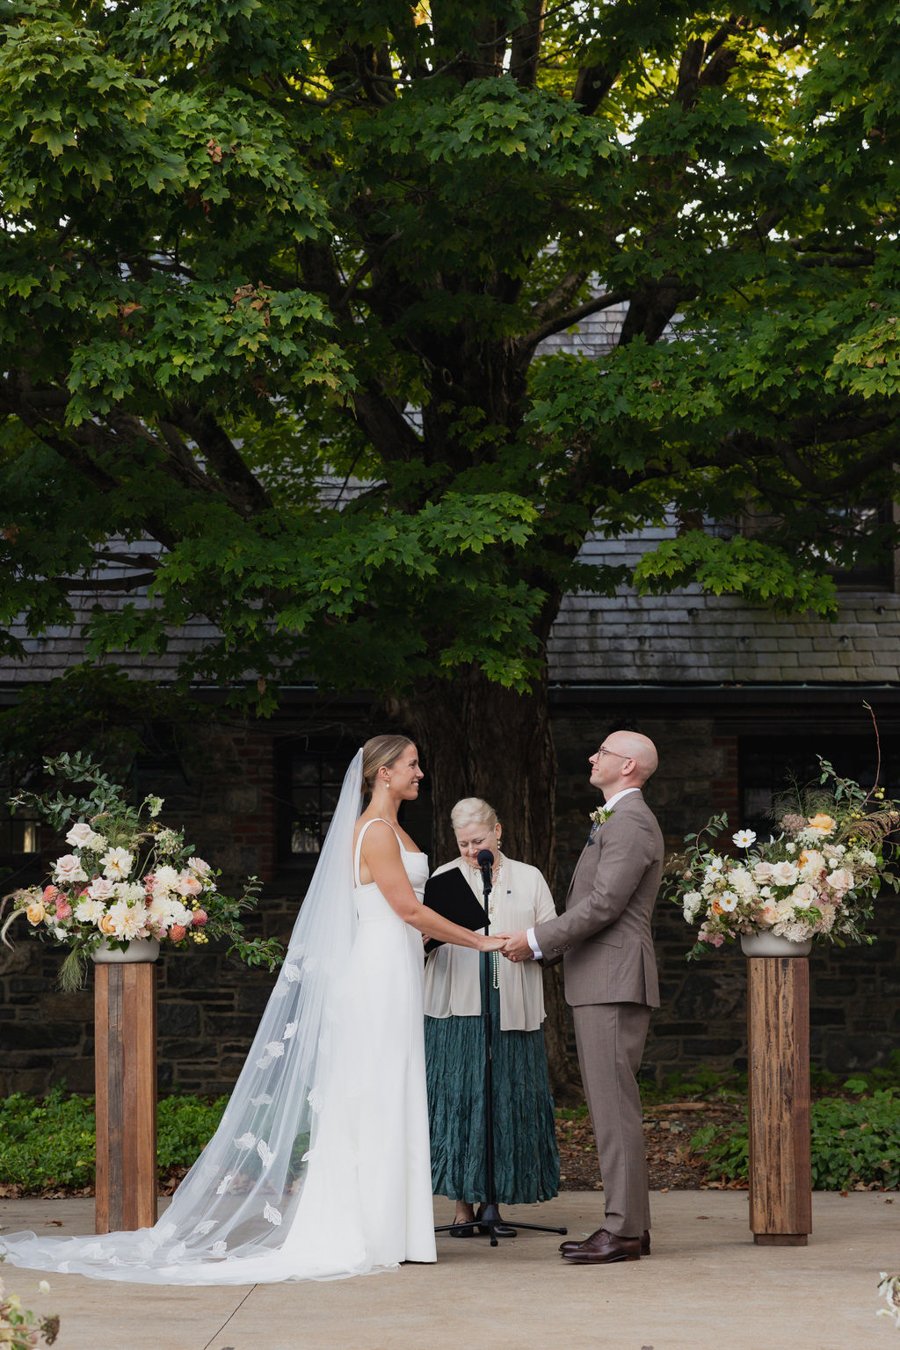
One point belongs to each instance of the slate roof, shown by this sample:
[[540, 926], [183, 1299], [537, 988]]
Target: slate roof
[[688, 636], [624, 639]]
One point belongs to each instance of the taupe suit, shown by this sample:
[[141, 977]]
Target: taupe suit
[[609, 965]]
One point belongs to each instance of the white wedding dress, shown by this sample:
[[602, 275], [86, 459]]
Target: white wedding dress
[[321, 1166]]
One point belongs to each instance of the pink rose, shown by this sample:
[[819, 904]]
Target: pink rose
[[177, 932], [200, 917], [840, 880], [50, 893], [63, 908], [188, 885]]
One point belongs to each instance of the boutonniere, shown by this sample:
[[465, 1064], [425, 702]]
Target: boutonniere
[[601, 815]]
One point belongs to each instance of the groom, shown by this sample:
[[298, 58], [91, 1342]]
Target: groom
[[609, 967]]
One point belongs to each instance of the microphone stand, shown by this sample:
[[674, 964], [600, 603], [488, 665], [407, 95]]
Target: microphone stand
[[489, 1217]]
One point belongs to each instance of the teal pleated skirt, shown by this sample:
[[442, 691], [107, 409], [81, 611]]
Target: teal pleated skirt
[[526, 1159]]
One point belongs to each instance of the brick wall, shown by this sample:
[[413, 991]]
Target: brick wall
[[209, 1006]]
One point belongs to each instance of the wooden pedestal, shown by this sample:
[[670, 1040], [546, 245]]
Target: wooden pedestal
[[778, 1037], [125, 1067]]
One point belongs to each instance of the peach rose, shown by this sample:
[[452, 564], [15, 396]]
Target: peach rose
[[822, 822], [35, 912], [50, 893], [107, 925], [188, 885]]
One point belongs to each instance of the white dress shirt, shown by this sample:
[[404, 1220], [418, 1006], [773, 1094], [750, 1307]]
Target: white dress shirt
[[608, 806]]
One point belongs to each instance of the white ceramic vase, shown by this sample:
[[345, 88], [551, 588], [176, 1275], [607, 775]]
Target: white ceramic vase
[[138, 949], [770, 944]]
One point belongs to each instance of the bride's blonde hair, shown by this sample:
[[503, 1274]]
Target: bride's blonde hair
[[379, 752]]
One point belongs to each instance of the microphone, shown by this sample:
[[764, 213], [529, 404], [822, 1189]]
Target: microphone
[[485, 860]]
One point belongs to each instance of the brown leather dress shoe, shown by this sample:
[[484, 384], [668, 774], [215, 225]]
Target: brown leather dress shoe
[[602, 1248], [570, 1246]]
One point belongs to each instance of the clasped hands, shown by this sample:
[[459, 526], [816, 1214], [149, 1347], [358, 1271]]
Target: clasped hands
[[514, 946], [517, 948]]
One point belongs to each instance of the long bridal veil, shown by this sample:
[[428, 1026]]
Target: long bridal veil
[[233, 1217]]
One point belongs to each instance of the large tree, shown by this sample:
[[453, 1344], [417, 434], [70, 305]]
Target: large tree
[[275, 277]]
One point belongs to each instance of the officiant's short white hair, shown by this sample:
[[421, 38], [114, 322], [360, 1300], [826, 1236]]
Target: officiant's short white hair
[[472, 811]]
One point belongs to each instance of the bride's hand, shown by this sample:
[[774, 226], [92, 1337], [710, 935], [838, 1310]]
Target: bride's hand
[[491, 942]]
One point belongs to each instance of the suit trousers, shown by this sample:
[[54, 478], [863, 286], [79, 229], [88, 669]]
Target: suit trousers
[[610, 1040]]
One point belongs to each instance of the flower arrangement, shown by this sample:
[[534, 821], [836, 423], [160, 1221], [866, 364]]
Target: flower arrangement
[[126, 877], [817, 877], [19, 1327], [601, 815], [889, 1289]]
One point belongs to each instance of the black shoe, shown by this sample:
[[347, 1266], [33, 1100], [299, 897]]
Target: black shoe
[[467, 1229]]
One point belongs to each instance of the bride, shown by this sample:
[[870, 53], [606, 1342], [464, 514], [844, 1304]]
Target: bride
[[320, 1167]]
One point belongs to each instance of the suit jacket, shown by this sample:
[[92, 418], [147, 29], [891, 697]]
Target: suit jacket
[[604, 935]]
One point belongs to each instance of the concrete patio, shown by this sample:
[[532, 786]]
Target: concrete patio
[[706, 1285]]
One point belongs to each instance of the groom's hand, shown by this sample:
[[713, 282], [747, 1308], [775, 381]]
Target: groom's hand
[[516, 948]]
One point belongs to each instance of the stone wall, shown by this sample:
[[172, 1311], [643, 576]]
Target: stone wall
[[209, 1006]]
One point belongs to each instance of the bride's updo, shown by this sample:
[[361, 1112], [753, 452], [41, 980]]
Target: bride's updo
[[381, 751]]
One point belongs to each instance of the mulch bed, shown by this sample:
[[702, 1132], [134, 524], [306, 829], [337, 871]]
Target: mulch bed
[[668, 1130]]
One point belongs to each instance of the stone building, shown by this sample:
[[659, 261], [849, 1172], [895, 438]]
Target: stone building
[[734, 699]]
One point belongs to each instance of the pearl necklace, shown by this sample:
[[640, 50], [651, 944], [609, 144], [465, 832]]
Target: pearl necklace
[[496, 873]]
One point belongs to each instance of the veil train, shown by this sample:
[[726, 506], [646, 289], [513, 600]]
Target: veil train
[[243, 1213]]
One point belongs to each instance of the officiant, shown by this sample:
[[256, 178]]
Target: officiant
[[526, 1159]]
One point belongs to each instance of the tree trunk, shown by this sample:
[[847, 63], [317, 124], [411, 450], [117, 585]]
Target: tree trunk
[[478, 739]]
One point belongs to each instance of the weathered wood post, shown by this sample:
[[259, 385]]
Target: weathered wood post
[[125, 1072], [778, 1071]]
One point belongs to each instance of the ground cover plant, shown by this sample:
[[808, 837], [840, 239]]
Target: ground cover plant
[[854, 1137], [695, 1128]]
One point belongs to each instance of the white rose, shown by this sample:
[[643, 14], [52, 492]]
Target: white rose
[[762, 871], [803, 895], [784, 874], [199, 866], [101, 889], [117, 863], [68, 869], [691, 905], [80, 834]]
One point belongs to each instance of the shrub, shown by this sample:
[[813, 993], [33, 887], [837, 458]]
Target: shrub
[[48, 1143], [854, 1142]]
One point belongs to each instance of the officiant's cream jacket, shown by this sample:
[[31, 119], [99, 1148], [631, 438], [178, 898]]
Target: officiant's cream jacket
[[520, 899]]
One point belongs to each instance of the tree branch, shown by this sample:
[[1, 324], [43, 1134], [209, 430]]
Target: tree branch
[[562, 321], [241, 487]]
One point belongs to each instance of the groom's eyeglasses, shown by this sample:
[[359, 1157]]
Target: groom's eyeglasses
[[603, 751]]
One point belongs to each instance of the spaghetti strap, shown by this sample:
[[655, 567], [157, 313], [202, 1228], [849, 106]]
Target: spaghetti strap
[[356, 880]]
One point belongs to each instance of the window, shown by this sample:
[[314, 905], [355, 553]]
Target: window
[[20, 841], [310, 784]]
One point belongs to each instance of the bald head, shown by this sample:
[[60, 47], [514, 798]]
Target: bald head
[[638, 749]]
